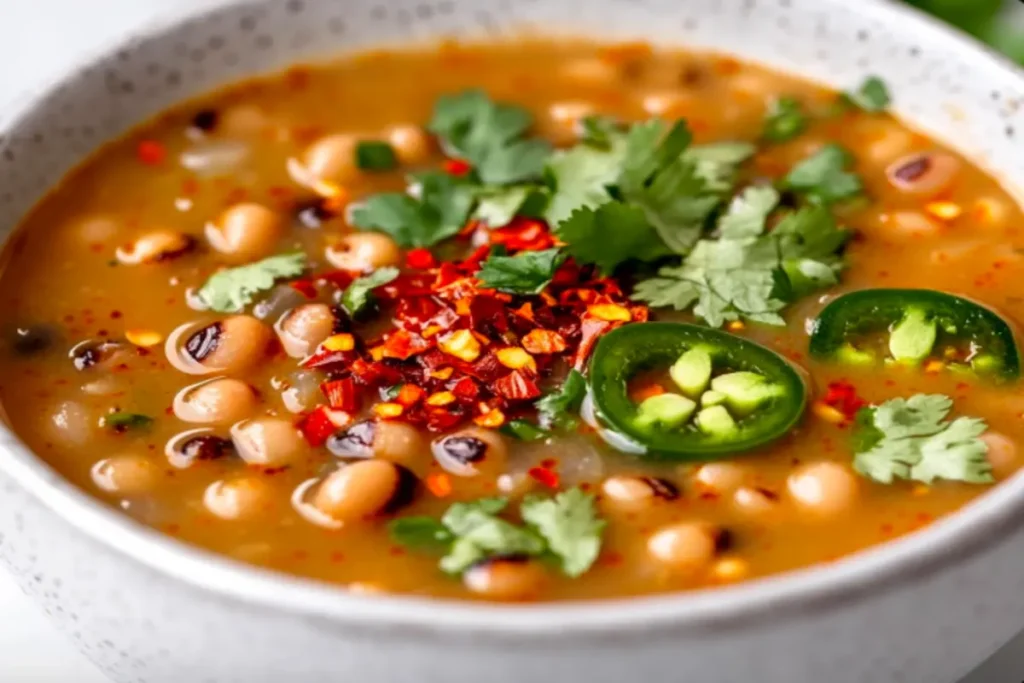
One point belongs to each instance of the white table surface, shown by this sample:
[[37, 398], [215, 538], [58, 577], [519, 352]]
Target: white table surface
[[31, 651]]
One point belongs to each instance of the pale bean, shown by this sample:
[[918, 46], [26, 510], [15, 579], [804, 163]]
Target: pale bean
[[411, 143], [155, 246], [470, 452], [685, 547], [245, 232], [244, 497], [506, 578], [827, 489], [267, 441], [923, 174], [127, 474], [331, 159], [365, 489], [232, 345], [303, 328], [364, 251], [634, 494], [1001, 454], [216, 401], [721, 477]]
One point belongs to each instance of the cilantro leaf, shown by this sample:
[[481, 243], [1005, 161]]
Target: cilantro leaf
[[747, 272], [358, 295], [822, 176], [677, 204], [785, 120], [480, 533], [912, 439], [718, 162], [524, 431], [489, 135], [422, 533], [650, 148], [231, 290], [581, 177], [555, 407], [375, 155], [569, 524], [599, 131], [121, 421], [748, 212], [528, 272], [498, 206], [440, 211], [611, 235], [872, 96]]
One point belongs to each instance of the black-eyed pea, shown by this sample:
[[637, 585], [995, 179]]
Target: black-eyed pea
[[232, 345], [923, 174], [303, 328], [219, 401], [412, 144], [69, 424], [471, 452], [331, 159], [720, 477], [635, 494], [267, 441], [245, 232], [826, 489], [686, 547], [1001, 454], [508, 579], [365, 489], [126, 474], [755, 501], [244, 497], [155, 246], [363, 251]]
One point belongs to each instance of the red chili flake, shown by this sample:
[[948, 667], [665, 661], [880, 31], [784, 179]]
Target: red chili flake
[[592, 329], [516, 386], [402, 345], [151, 152], [317, 426], [409, 395], [545, 476], [304, 287], [456, 167], [842, 396], [523, 234], [342, 394], [420, 259], [466, 389]]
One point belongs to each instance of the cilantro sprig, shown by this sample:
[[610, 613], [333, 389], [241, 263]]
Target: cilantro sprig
[[435, 209], [914, 439], [786, 120], [232, 289], [564, 527], [359, 295], [823, 177], [490, 135], [871, 96], [749, 272], [528, 272], [556, 408]]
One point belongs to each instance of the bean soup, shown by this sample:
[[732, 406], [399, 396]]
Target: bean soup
[[526, 321]]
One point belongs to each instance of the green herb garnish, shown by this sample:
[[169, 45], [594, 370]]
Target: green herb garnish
[[438, 211], [375, 155], [785, 120], [565, 527], [528, 272], [748, 272], [231, 290], [556, 408], [122, 421], [872, 96], [912, 439], [524, 431], [823, 176], [359, 294], [490, 136]]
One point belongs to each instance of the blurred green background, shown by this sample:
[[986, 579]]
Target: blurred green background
[[996, 22]]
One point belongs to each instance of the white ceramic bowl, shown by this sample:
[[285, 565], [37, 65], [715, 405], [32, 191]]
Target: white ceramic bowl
[[925, 609]]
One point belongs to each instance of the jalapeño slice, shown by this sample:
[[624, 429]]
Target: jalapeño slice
[[921, 325], [726, 394]]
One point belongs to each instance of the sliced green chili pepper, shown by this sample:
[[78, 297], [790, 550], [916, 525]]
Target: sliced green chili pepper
[[727, 394], [921, 324]]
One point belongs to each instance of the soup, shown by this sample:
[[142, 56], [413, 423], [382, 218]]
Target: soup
[[526, 321]]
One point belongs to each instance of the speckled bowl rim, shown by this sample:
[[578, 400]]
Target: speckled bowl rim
[[978, 526]]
